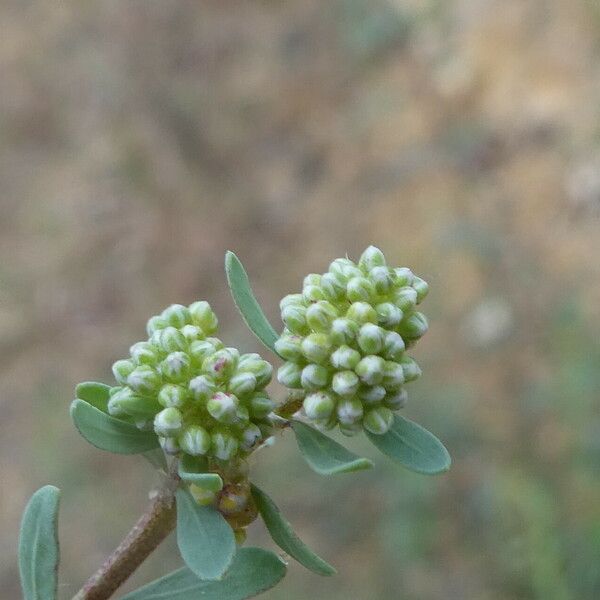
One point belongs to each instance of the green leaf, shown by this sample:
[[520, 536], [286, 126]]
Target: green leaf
[[413, 447], [193, 470], [247, 304], [206, 541], [38, 545], [283, 535], [94, 393], [324, 455], [107, 433], [253, 571]]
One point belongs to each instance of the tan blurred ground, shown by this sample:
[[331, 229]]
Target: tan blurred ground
[[139, 140]]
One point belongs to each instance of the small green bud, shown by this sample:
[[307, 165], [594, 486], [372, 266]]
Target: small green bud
[[404, 276], [224, 445], [349, 411], [393, 375], [405, 299], [204, 317], [414, 326], [202, 496], [312, 293], [343, 331], [154, 324], [126, 401], [320, 315], [312, 279], [250, 437], [242, 384], [289, 347], [345, 358], [370, 369], [294, 317], [396, 400], [393, 346], [220, 365], [242, 417], [316, 347], [290, 375], [202, 388], [261, 405], [192, 333], [388, 314], [362, 312], [421, 287], [200, 349], [372, 394], [343, 266], [371, 338], [314, 377], [175, 367], [223, 407], [173, 395], [168, 422], [194, 440], [378, 420], [345, 383], [370, 258], [121, 370], [318, 406], [260, 368], [144, 380], [144, 353], [360, 289], [411, 369], [170, 340], [177, 315], [216, 342], [170, 445], [382, 279], [351, 429], [333, 286], [291, 300]]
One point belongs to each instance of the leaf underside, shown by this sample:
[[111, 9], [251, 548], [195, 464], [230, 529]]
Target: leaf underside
[[94, 393], [191, 471]]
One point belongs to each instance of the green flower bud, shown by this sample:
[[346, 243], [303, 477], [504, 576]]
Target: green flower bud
[[242, 384], [320, 315], [421, 287], [204, 317], [372, 394], [127, 402], [411, 369], [251, 436], [371, 338], [316, 347], [362, 312], [242, 417], [169, 445], [144, 353], [351, 429], [343, 331], [223, 407], [312, 279], [216, 342], [144, 380], [170, 340], [345, 358], [260, 405], [396, 400], [343, 266], [154, 324], [289, 347], [220, 365], [121, 370], [393, 375], [318, 405], [370, 369], [405, 298], [260, 368], [294, 317], [194, 440], [360, 289], [333, 286], [404, 276], [312, 293], [388, 314], [382, 279], [202, 496], [173, 395], [349, 411], [378, 420], [291, 300], [176, 367], [192, 333], [168, 422], [345, 383], [177, 315], [200, 349], [370, 258], [202, 388], [224, 446], [314, 377], [393, 346], [290, 375], [414, 326]]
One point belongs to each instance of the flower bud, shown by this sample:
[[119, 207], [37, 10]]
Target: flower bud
[[204, 317], [261, 405], [144, 353], [421, 287], [411, 369], [316, 347], [333, 286], [177, 315], [370, 258], [405, 299], [396, 400], [370, 369], [312, 279], [360, 289], [342, 266], [202, 388], [154, 324], [223, 407], [242, 417], [289, 347], [362, 312], [202, 496], [314, 377], [251, 436], [393, 375], [175, 367], [294, 317], [170, 340], [382, 279], [318, 405], [168, 422], [291, 300], [144, 380], [224, 446], [242, 384], [345, 358], [372, 394], [121, 370], [260, 368], [351, 429], [194, 440], [393, 346], [414, 326], [320, 315], [290, 375], [345, 383], [126, 402], [343, 331], [349, 411], [378, 420], [404, 276], [192, 333], [220, 365], [388, 314], [370, 338], [200, 349], [312, 293], [169, 445], [173, 395]]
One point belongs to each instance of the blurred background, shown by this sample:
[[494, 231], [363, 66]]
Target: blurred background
[[139, 140]]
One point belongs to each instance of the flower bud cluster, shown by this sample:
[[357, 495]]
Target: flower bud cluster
[[345, 342], [200, 398]]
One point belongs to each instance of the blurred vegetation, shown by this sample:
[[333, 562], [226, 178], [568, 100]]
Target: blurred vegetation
[[139, 140]]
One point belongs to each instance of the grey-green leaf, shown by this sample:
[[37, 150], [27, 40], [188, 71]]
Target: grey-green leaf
[[205, 539], [192, 470], [94, 393], [413, 447], [253, 571], [108, 433], [324, 455], [283, 535], [38, 545], [247, 304]]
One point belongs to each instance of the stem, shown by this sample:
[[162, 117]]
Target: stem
[[151, 529]]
